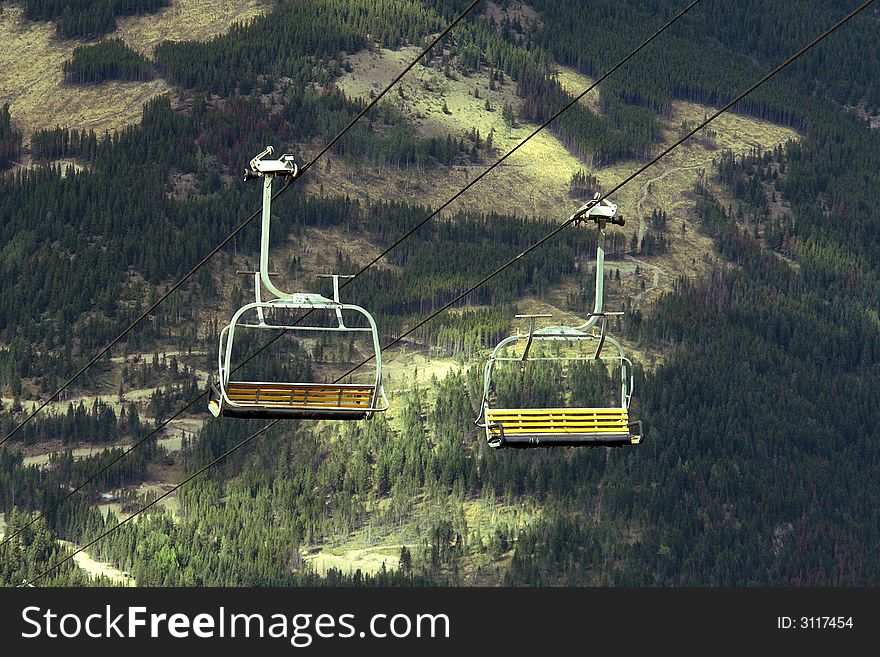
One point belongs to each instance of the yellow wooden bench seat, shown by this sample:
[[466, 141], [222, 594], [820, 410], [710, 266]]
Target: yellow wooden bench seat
[[561, 426], [298, 394], [294, 400]]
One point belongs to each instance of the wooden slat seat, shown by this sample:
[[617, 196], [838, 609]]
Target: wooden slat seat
[[296, 400], [298, 394], [561, 426]]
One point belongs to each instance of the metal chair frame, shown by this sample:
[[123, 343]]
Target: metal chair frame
[[220, 403]]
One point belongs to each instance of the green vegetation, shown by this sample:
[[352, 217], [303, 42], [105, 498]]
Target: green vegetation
[[88, 19], [583, 185], [34, 551], [10, 139], [106, 60], [292, 40]]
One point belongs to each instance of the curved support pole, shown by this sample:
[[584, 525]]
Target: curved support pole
[[222, 371], [264, 240], [602, 212], [599, 300], [627, 380], [268, 170], [258, 297]]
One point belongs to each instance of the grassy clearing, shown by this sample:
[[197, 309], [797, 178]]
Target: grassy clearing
[[411, 362], [156, 486], [349, 558], [40, 457], [97, 569], [160, 487], [534, 181], [575, 84], [187, 20], [33, 84], [518, 185], [406, 364], [373, 546]]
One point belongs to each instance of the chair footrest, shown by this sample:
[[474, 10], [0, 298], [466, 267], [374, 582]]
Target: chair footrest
[[257, 413], [566, 440]]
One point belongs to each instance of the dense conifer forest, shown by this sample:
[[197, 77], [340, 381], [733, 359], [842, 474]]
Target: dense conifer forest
[[106, 60], [10, 139], [761, 420], [88, 19]]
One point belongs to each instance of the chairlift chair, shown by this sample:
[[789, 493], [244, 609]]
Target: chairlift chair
[[285, 399], [569, 426]]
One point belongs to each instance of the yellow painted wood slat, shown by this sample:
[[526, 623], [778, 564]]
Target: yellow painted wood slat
[[301, 391], [310, 391], [310, 397], [300, 396], [288, 400], [287, 395], [558, 430], [562, 418], [555, 411], [565, 427], [559, 421], [303, 386], [557, 418]]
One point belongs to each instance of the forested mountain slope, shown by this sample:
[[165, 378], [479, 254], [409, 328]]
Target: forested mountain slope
[[756, 367]]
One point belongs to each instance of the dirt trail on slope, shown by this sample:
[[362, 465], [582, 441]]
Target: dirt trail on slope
[[655, 283], [646, 192]]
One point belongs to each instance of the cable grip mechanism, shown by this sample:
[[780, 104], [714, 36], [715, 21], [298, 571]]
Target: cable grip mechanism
[[600, 211], [283, 167]]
